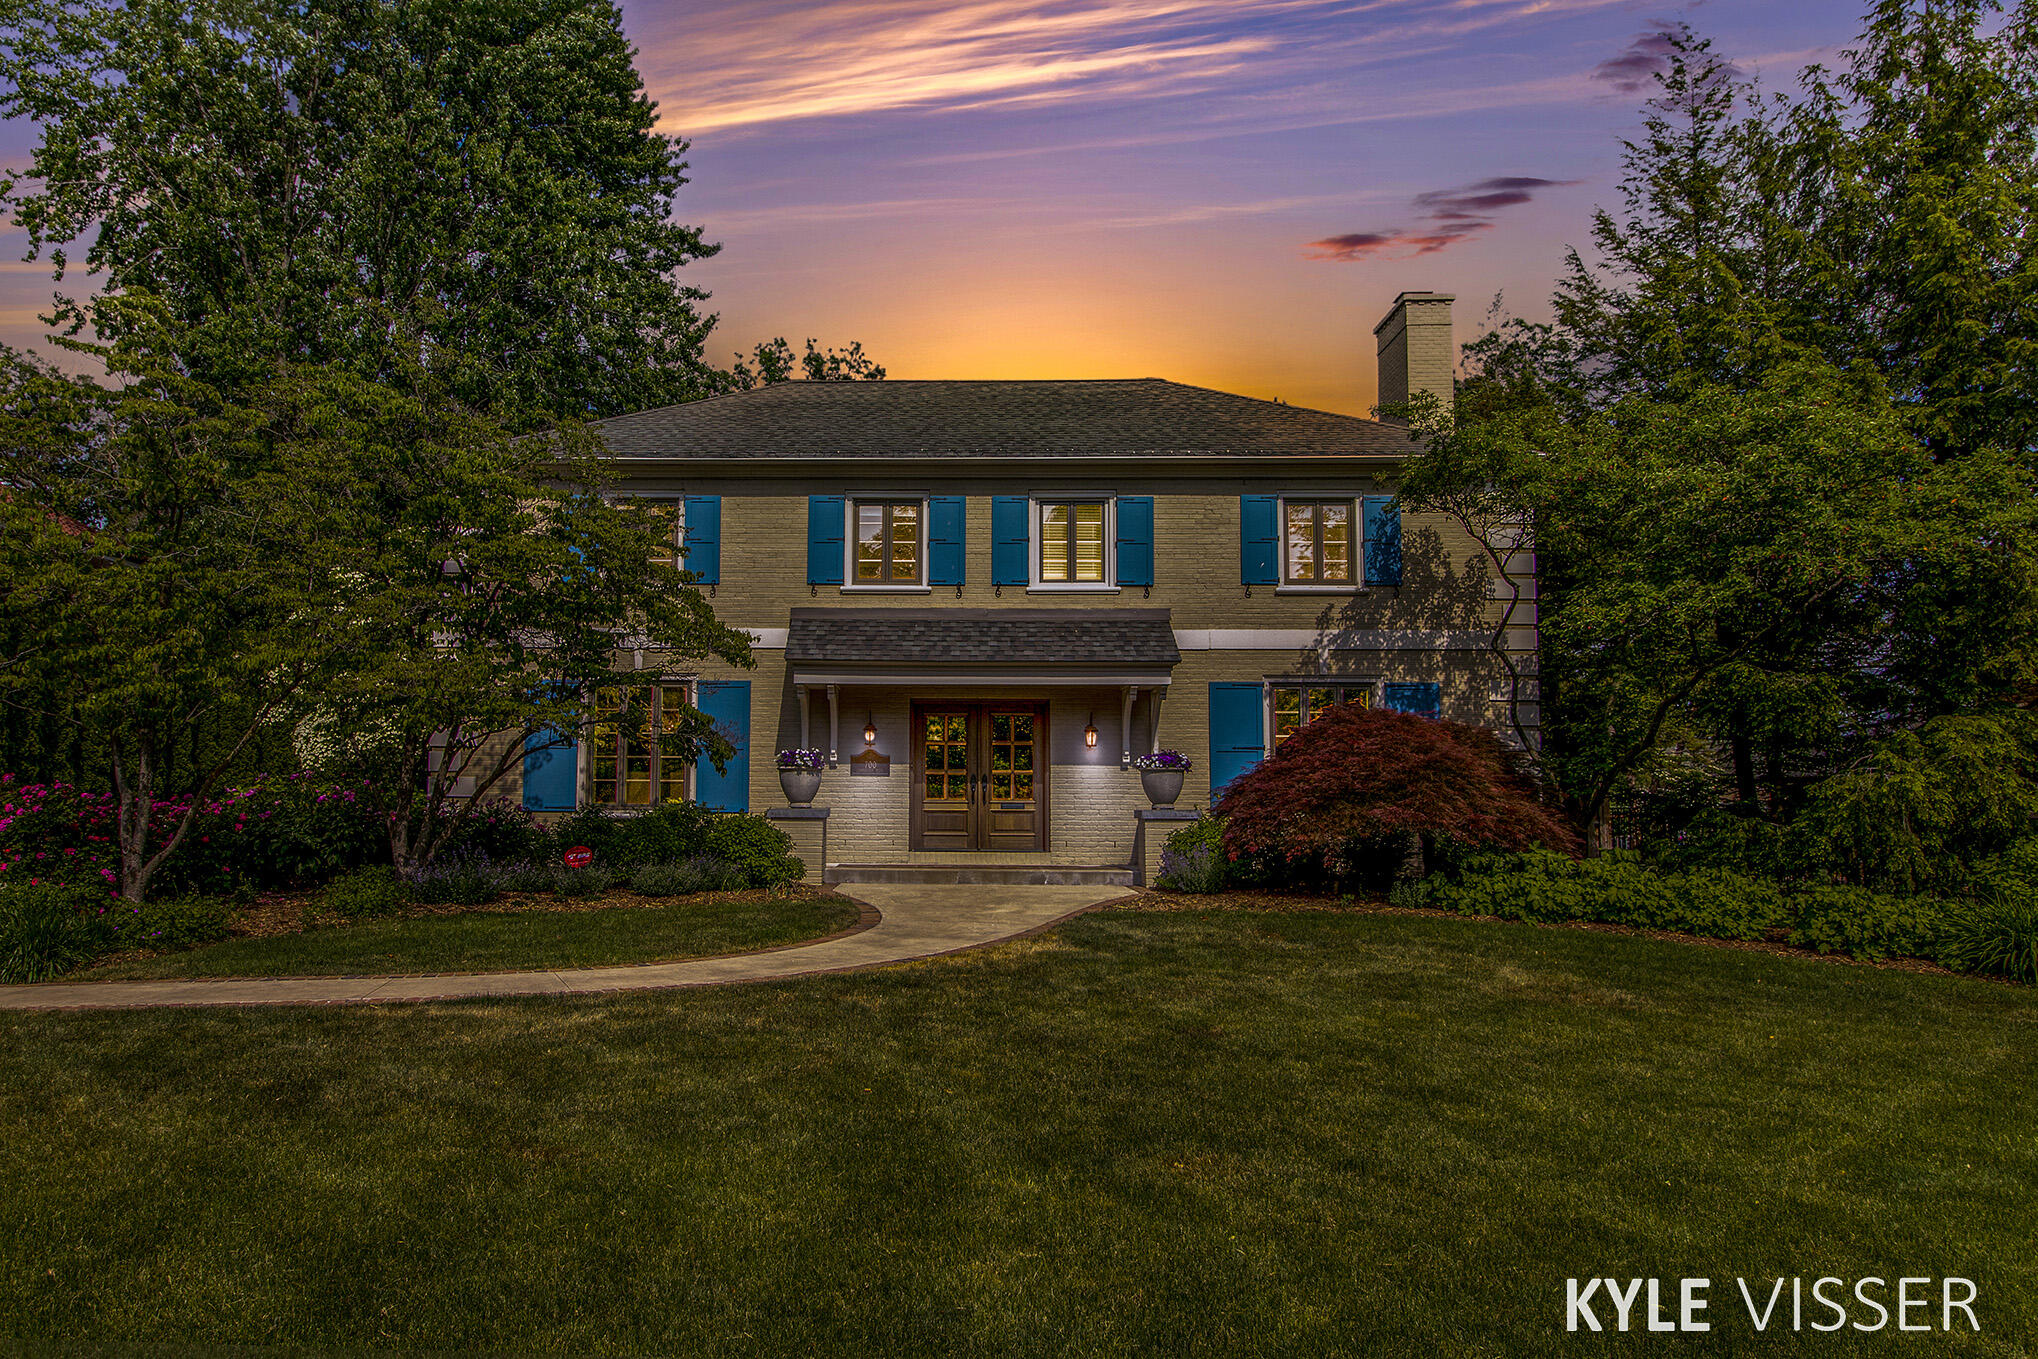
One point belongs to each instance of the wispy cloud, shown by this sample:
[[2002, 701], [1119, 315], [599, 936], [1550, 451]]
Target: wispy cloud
[[1447, 216], [1638, 64], [775, 61]]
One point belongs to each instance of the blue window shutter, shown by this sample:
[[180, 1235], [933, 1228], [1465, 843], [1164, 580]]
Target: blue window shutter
[[947, 560], [551, 772], [1135, 540], [1237, 732], [1383, 541], [727, 704], [1259, 540], [1424, 700], [1011, 540], [704, 538], [824, 540]]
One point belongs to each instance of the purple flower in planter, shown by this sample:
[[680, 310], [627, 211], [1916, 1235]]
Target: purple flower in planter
[[802, 759], [1161, 759]]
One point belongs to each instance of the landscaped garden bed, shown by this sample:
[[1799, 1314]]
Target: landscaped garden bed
[[292, 877], [1273, 899], [292, 935]]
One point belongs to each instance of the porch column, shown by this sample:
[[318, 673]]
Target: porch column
[[1154, 720], [806, 718], [834, 722], [1127, 694]]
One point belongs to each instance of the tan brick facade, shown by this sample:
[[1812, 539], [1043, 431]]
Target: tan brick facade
[[1432, 628], [1435, 627]]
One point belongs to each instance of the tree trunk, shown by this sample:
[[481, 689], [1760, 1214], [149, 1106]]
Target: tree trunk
[[134, 796], [1598, 836], [1744, 766], [1414, 866]]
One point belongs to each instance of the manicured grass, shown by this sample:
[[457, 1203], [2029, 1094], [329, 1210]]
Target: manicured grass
[[1143, 1133], [485, 940]]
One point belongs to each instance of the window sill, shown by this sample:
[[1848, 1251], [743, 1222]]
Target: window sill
[[1319, 589], [1072, 589], [887, 589]]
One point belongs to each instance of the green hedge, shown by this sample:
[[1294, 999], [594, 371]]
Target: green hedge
[[1996, 934]]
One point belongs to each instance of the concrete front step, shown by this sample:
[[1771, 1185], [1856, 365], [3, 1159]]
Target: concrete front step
[[1015, 875]]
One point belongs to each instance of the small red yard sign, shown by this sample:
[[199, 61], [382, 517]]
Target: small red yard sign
[[580, 856]]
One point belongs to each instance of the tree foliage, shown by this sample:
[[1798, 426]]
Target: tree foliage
[[1356, 782], [773, 361], [478, 185], [1774, 455], [490, 583], [165, 559]]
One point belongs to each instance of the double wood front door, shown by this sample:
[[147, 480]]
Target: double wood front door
[[980, 776]]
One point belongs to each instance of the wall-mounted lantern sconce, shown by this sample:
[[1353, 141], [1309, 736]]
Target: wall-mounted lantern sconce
[[869, 729], [1090, 733]]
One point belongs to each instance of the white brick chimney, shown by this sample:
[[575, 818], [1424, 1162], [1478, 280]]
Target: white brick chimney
[[1417, 353]]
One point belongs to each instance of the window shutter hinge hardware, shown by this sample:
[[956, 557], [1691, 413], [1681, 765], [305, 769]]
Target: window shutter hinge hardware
[[998, 591], [813, 590], [958, 592], [1146, 592]]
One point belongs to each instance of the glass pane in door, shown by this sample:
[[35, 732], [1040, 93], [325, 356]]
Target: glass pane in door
[[946, 751], [1011, 757]]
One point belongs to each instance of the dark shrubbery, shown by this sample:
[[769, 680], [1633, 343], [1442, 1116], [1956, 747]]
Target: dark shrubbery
[[1997, 936], [754, 848], [1616, 888], [46, 930], [1343, 797], [1865, 924], [469, 878], [699, 874], [502, 831], [1193, 858], [364, 894]]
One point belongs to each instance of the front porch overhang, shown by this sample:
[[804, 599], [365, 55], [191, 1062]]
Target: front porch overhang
[[830, 650]]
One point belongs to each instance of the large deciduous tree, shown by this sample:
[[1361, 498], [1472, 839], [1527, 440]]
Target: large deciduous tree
[[1776, 453], [165, 560], [329, 180], [489, 586]]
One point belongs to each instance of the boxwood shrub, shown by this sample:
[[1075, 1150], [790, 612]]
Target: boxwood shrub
[[1544, 887]]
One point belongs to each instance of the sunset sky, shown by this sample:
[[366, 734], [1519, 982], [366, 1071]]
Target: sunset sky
[[1226, 193]]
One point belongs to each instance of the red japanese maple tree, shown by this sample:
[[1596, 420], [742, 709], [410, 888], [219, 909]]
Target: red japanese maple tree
[[1358, 782]]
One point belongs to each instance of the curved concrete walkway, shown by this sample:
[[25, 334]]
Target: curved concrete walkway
[[914, 922]]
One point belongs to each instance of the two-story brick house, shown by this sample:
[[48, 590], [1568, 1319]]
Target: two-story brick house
[[982, 599]]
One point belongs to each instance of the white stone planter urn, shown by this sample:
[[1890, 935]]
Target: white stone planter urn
[[799, 776]]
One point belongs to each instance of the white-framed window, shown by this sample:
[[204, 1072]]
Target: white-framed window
[[1322, 542], [886, 543], [622, 763], [1073, 536], [1292, 703], [672, 510]]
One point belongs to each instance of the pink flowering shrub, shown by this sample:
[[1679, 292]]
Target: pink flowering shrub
[[273, 833]]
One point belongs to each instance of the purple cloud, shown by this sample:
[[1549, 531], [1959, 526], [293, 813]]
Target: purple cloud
[[1638, 65], [1448, 216]]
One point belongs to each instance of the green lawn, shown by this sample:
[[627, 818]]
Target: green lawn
[[490, 940], [1171, 1134]]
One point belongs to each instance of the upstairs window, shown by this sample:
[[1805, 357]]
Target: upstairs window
[[630, 770], [668, 514], [889, 542], [1072, 542], [1296, 704], [1319, 538]]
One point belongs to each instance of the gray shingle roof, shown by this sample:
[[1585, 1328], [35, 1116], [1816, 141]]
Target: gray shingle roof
[[992, 419], [981, 636]]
